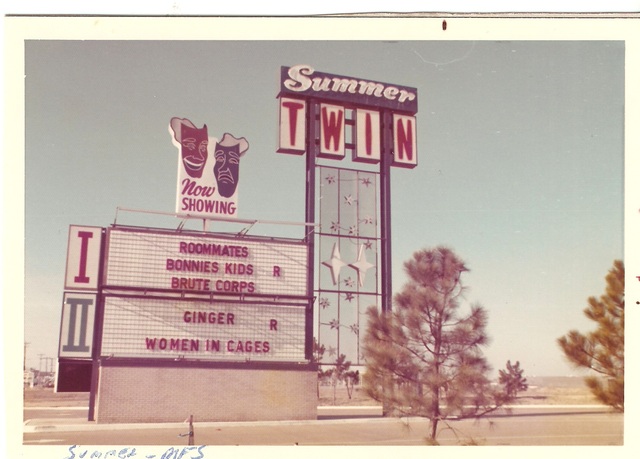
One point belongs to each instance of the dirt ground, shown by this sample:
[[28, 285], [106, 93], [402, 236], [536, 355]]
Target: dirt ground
[[47, 397], [535, 395], [553, 391], [540, 395]]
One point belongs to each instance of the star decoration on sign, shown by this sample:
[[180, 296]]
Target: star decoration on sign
[[324, 303], [349, 282], [368, 245], [348, 296], [335, 227], [332, 351], [348, 200], [353, 230], [366, 181], [335, 263], [361, 265], [355, 328], [368, 220], [334, 324], [330, 179]]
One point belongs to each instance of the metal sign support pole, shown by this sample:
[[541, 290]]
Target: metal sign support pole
[[385, 210], [310, 217], [385, 220], [97, 333]]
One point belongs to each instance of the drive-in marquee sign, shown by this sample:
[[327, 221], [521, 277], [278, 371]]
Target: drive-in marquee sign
[[332, 117], [304, 80], [163, 328], [181, 295], [339, 94], [204, 263]]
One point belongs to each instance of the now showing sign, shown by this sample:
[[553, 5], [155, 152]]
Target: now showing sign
[[348, 116], [208, 170]]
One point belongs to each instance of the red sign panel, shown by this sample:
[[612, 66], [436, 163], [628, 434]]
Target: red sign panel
[[293, 138], [332, 132], [367, 136], [404, 141], [83, 258]]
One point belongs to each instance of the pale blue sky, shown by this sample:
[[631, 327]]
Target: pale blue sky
[[520, 169]]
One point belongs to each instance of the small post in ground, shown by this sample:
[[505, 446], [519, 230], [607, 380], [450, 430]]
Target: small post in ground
[[190, 433]]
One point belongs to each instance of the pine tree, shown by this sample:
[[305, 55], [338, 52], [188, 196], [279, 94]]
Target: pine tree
[[338, 373], [512, 379], [318, 354], [602, 350], [351, 379], [424, 358]]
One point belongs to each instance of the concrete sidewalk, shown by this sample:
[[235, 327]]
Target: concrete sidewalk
[[326, 414], [542, 425]]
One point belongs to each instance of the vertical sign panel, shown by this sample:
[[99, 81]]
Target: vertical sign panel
[[331, 131], [404, 141], [83, 258], [367, 136], [292, 126], [76, 332]]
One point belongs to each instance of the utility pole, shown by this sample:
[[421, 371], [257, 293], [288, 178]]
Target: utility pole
[[24, 358], [39, 378]]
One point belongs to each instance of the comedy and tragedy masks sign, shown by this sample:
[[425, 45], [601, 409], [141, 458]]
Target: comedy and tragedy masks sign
[[208, 170]]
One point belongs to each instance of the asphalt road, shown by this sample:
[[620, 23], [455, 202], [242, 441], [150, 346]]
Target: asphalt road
[[551, 425]]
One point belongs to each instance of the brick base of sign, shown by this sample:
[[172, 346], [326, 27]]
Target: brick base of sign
[[150, 394]]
